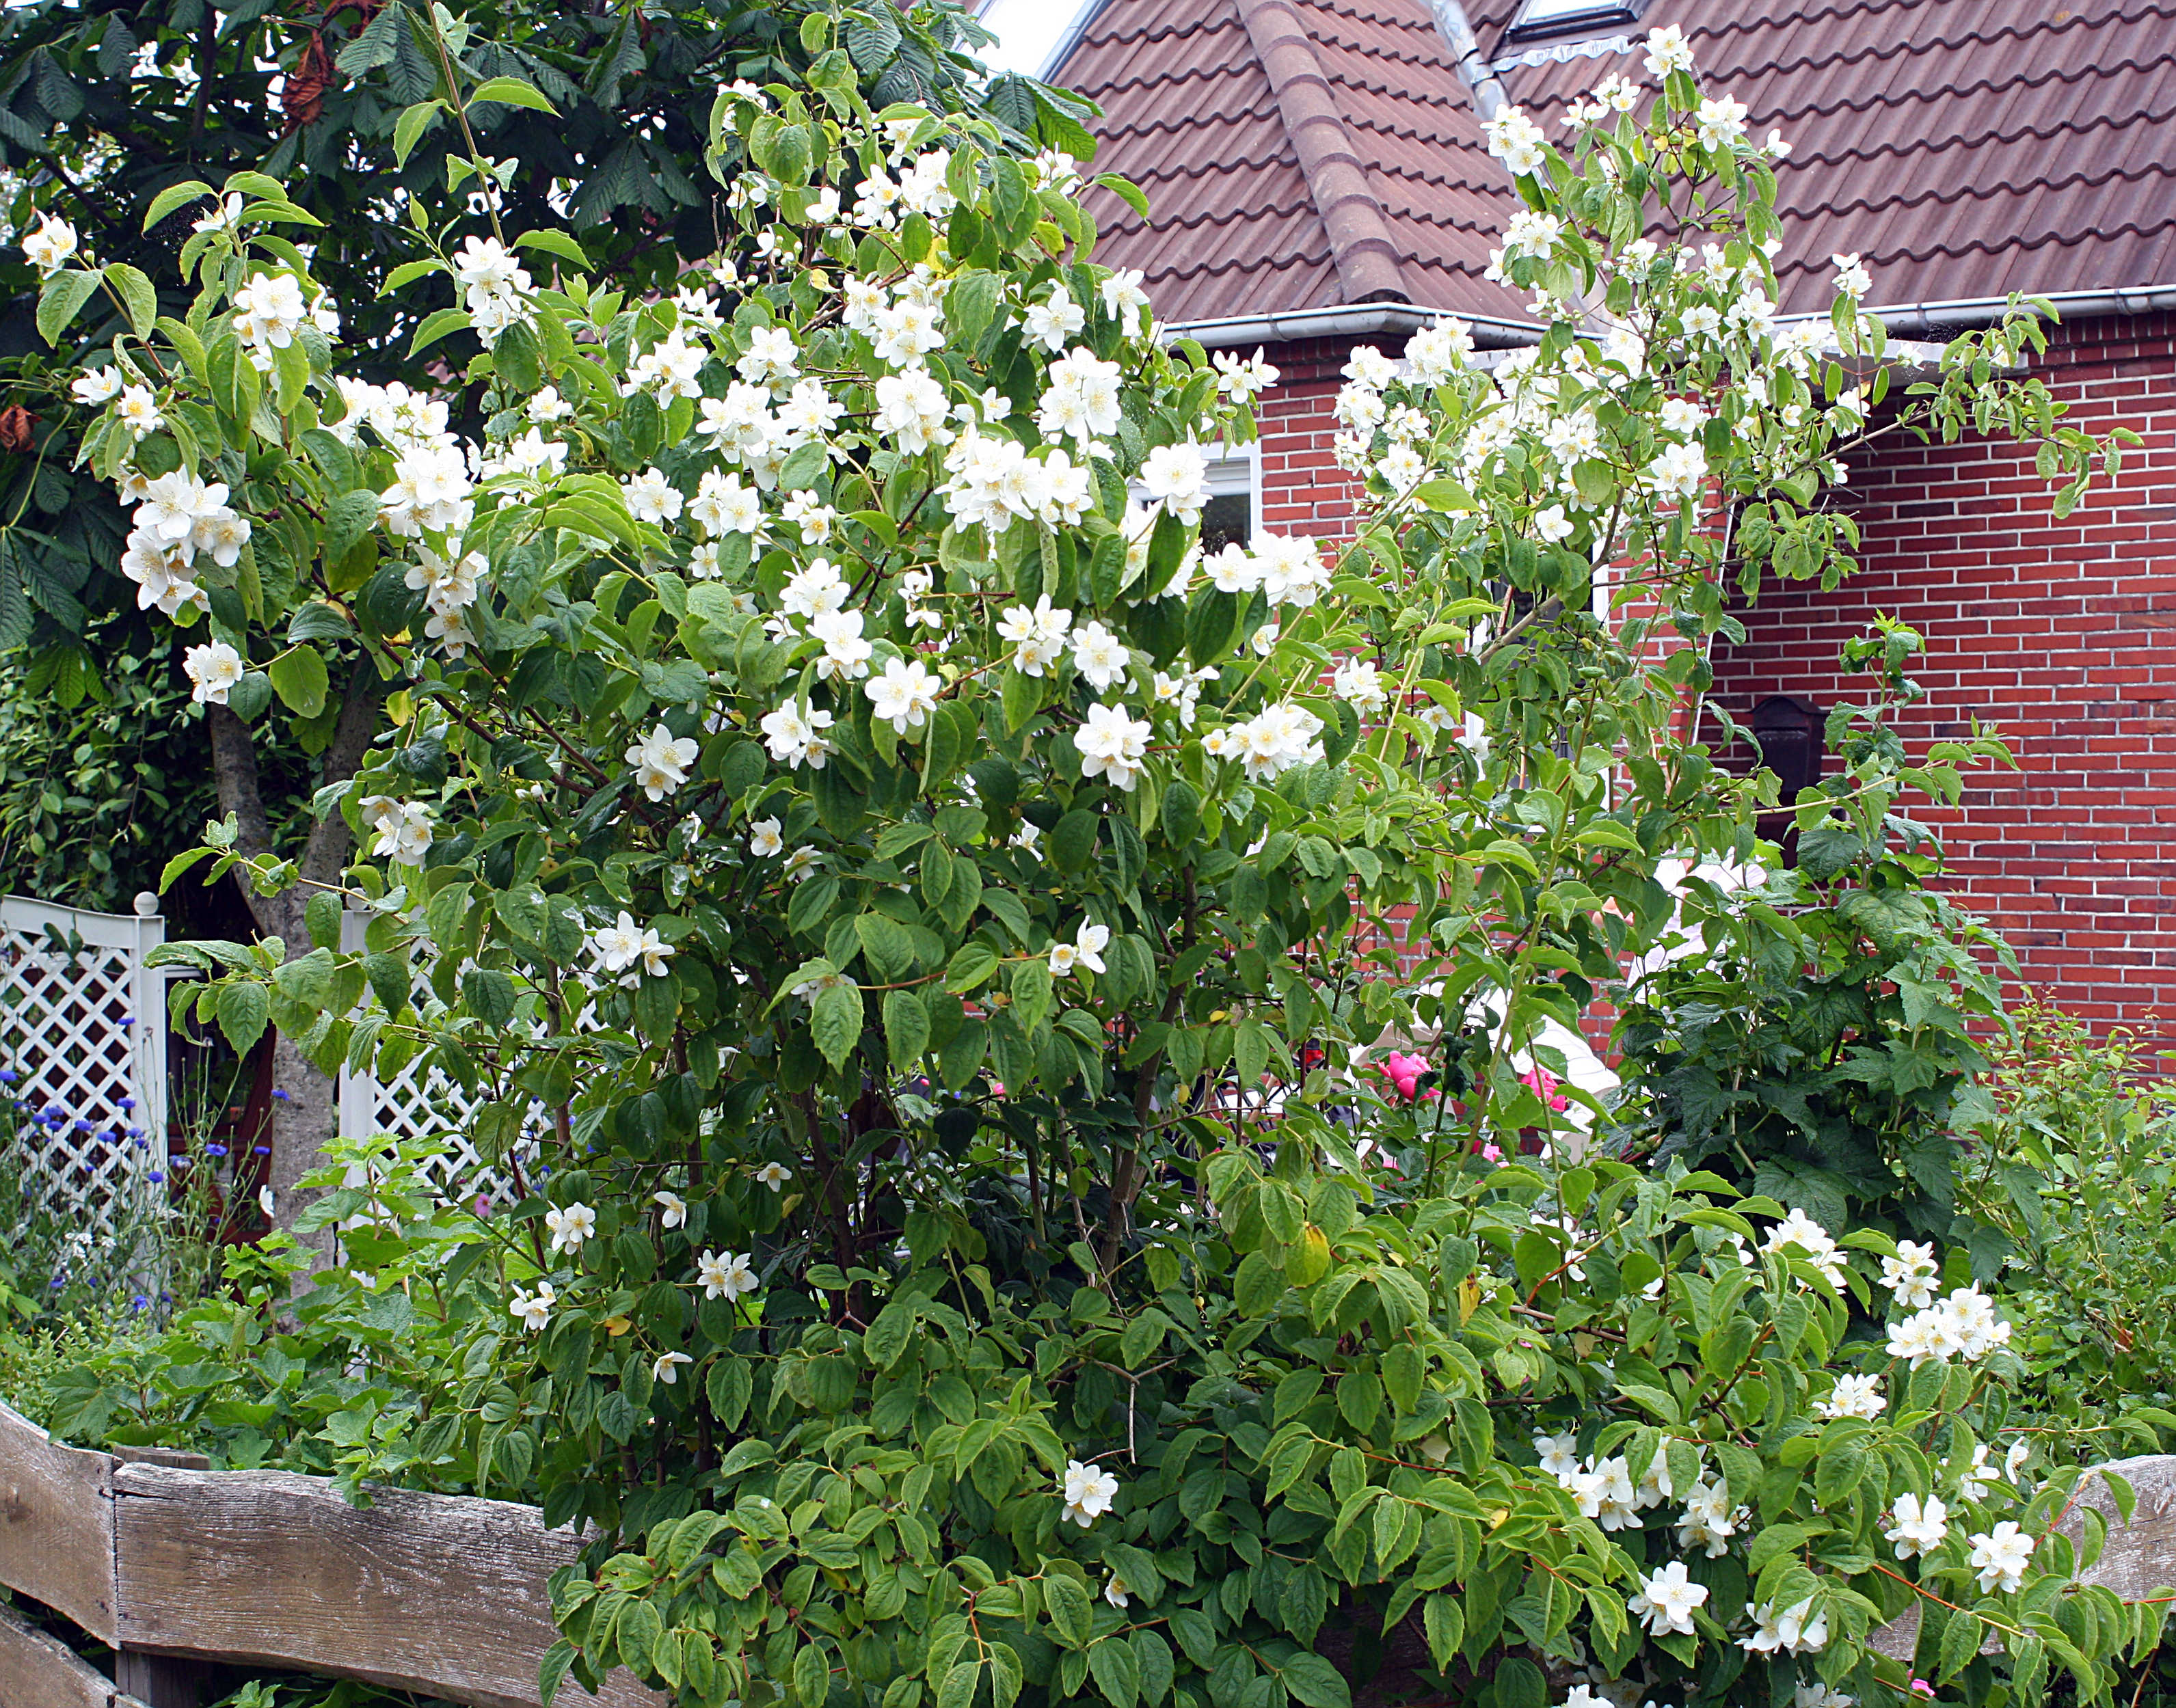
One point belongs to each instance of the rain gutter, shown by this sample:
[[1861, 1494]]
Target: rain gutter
[[1397, 318]]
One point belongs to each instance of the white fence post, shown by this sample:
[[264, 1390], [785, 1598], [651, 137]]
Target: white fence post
[[85, 1028]]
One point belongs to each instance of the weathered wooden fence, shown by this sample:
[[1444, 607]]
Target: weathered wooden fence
[[173, 1566]]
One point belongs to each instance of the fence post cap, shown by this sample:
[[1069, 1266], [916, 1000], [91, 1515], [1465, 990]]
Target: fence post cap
[[146, 904]]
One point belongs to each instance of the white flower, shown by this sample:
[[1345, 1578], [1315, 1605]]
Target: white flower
[[570, 1227], [911, 408], [619, 946], [99, 385], [1680, 469], [1852, 279], [774, 1175], [846, 655], [1177, 478], [1667, 50], [1853, 1396], [269, 310], [770, 358], [1722, 123], [797, 738], [1359, 683], [1242, 381], [674, 1206], [49, 246], [405, 831], [1112, 744], [661, 762], [139, 411], [1088, 1491], [1559, 1454], [763, 838], [1913, 1275], [547, 406], [801, 863], [904, 695], [1666, 1601], [1275, 739], [667, 1370], [1114, 1592], [1516, 140], [1795, 1630], [1085, 954], [1437, 351], [533, 1309], [212, 670], [650, 497], [727, 1276], [1920, 1527], [1053, 323], [815, 590], [1035, 635], [1100, 655], [2000, 1556]]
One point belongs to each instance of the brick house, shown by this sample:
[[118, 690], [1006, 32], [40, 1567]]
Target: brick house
[[1317, 179]]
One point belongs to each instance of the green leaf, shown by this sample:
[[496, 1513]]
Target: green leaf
[[1111, 1662], [244, 1010], [511, 91], [1066, 1600], [136, 295], [408, 129], [437, 326], [906, 1028], [1126, 191], [299, 677], [554, 243], [971, 968], [172, 197], [1313, 1681], [61, 300], [836, 1023]]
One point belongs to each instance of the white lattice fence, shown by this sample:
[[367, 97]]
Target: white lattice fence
[[83, 1027], [420, 1102]]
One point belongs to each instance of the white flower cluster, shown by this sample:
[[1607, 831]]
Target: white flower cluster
[[1963, 1325], [403, 829], [1270, 743], [1606, 1492], [1088, 1492], [178, 519], [494, 285], [627, 952], [1913, 1275], [1800, 1235]]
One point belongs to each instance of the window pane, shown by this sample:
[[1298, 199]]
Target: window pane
[[1227, 520]]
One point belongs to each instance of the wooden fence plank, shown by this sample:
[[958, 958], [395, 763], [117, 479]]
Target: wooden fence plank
[[56, 1524], [438, 1593], [37, 1671]]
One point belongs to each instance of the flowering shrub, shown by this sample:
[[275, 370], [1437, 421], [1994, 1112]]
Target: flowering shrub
[[828, 787]]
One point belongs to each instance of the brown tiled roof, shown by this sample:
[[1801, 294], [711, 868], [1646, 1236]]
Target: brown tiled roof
[[1301, 154], [1296, 154], [1964, 148]]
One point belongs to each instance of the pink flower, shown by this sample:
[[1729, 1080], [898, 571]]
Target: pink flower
[[1543, 1085], [1492, 1153], [1405, 1072], [1920, 1687], [482, 1205]]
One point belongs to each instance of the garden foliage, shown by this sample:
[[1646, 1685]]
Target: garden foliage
[[944, 924]]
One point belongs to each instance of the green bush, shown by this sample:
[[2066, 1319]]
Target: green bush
[[2075, 1168]]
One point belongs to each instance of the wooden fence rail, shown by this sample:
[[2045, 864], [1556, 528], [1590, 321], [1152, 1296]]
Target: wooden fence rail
[[172, 1565]]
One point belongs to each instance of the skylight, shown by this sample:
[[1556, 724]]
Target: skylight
[[1540, 20]]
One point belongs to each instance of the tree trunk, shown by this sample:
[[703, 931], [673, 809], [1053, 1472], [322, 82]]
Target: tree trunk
[[305, 1102]]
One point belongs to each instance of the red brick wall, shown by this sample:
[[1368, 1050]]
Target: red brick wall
[[2061, 633], [1303, 490]]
